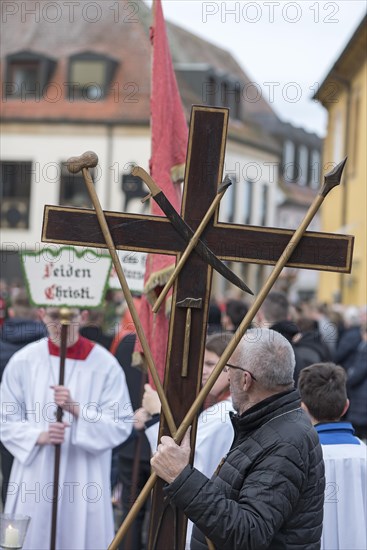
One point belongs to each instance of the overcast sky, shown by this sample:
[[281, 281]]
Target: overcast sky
[[287, 48]]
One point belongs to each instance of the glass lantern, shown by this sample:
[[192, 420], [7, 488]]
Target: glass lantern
[[13, 529]]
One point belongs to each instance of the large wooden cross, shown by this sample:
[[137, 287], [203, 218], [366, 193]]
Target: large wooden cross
[[204, 168]]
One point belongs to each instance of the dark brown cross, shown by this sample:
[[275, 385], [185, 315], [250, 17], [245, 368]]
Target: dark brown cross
[[204, 168]]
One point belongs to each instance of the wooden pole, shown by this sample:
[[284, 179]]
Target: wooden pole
[[331, 180], [90, 159], [65, 322], [136, 469]]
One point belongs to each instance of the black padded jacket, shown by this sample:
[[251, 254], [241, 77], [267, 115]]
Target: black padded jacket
[[269, 490]]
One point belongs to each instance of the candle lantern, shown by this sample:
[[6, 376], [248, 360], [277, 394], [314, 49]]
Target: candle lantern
[[13, 529]]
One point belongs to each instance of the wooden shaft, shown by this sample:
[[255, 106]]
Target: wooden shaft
[[204, 392], [129, 299], [209, 544], [133, 512], [136, 466], [186, 349], [134, 483], [55, 497], [193, 242], [59, 414]]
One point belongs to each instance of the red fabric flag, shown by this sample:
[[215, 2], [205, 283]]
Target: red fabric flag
[[168, 154]]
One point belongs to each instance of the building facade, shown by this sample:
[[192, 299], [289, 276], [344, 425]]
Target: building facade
[[344, 94], [72, 85]]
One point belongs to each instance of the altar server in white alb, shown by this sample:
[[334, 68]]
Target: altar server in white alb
[[323, 392], [97, 417]]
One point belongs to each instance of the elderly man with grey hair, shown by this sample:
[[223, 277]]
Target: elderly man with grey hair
[[268, 491]]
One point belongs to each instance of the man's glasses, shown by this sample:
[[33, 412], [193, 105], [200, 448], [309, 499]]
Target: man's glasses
[[229, 366]]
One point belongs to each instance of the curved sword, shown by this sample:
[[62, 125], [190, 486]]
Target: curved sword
[[185, 230]]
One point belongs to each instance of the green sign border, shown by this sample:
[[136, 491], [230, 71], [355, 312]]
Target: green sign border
[[57, 253]]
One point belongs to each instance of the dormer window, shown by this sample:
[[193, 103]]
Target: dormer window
[[24, 73], [224, 95], [231, 96], [213, 87], [302, 165], [212, 91], [27, 75], [90, 76]]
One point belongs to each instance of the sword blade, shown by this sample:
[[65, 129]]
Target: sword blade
[[201, 248]]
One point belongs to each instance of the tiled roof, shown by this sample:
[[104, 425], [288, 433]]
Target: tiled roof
[[286, 130], [127, 42], [122, 35], [297, 194]]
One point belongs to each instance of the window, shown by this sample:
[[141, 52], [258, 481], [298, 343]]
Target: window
[[248, 202], [231, 97], [288, 161], [356, 122], [211, 91], [264, 205], [337, 153], [15, 194], [73, 191], [315, 169], [90, 76], [227, 204], [24, 73], [302, 165], [213, 86], [224, 94], [237, 104], [27, 75], [133, 190]]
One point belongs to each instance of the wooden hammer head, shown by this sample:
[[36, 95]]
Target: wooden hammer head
[[86, 160]]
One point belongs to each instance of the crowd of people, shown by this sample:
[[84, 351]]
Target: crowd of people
[[280, 456]]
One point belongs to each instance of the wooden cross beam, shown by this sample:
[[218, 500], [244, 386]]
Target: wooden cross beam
[[204, 167], [231, 242]]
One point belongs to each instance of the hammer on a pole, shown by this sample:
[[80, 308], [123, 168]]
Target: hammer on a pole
[[189, 304], [83, 163]]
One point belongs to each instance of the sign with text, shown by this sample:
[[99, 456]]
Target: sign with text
[[65, 276], [133, 265]]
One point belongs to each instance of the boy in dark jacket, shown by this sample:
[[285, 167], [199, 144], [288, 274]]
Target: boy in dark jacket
[[268, 491]]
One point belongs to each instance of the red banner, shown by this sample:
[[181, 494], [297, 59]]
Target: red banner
[[168, 154]]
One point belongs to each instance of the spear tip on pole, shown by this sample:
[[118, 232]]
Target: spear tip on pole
[[225, 184], [333, 178]]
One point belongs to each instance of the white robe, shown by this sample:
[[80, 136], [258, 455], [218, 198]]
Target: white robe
[[213, 440], [85, 518], [345, 508]]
